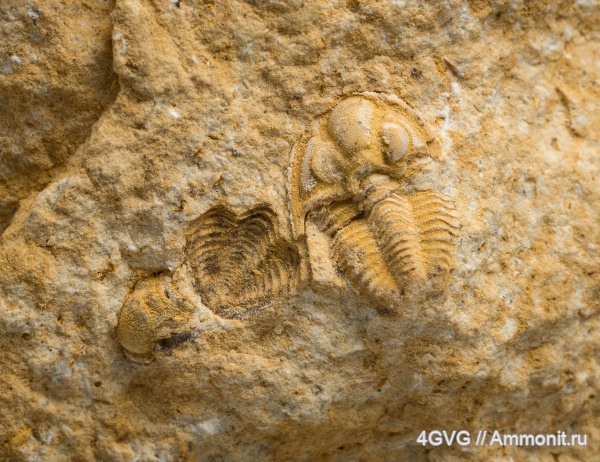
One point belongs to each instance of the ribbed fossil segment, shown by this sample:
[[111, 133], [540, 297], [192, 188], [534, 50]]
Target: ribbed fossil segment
[[358, 256], [239, 263], [416, 234], [437, 221], [349, 180], [392, 221]]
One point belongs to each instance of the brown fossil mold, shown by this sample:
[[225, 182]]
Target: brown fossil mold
[[348, 179], [239, 264]]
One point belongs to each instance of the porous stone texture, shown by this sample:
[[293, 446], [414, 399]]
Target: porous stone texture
[[109, 152], [56, 79]]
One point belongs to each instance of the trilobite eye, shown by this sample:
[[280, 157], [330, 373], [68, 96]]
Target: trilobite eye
[[396, 139]]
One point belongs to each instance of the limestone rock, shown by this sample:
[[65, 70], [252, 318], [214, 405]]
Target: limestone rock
[[125, 123]]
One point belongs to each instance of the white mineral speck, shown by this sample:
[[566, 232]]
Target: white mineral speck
[[455, 88], [174, 113], [209, 427], [567, 34], [47, 436], [34, 14], [579, 122], [446, 140]]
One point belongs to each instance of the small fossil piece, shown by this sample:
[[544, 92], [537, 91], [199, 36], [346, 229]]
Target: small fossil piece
[[151, 312], [239, 263], [385, 240]]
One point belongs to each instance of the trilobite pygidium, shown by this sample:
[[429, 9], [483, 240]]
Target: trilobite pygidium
[[239, 263], [348, 179]]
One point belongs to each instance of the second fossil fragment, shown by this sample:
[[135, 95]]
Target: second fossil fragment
[[239, 262]]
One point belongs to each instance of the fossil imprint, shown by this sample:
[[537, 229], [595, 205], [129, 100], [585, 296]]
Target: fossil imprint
[[238, 265], [348, 179], [387, 241], [238, 262]]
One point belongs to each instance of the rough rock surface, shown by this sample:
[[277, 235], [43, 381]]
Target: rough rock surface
[[108, 154]]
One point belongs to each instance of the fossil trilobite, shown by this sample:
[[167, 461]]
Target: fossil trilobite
[[348, 179], [239, 264]]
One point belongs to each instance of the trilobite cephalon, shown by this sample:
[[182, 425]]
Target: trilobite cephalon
[[348, 179], [239, 264], [152, 311]]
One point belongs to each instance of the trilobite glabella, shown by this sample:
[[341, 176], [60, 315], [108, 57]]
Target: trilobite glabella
[[239, 263], [350, 180]]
